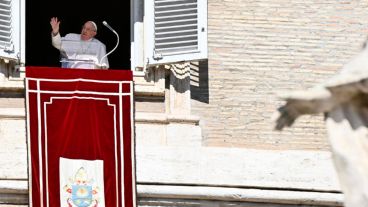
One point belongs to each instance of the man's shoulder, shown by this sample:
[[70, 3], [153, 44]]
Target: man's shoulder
[[98, 42]]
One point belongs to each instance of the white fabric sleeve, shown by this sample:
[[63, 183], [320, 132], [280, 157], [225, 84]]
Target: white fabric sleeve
[[102, 53], [56, 41]]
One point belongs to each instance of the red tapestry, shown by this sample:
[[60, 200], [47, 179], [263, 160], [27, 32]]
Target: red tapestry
[[80, 137]]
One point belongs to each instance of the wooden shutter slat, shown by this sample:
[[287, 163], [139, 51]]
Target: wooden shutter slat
[[172, 16], [177, 27], [5, 23]]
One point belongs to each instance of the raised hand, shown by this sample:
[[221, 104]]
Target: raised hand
[[54, 22]]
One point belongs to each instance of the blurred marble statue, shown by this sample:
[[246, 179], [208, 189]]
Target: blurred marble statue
[[344, 101]]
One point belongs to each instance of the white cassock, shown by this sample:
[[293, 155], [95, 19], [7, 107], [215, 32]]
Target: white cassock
[[77, 53]]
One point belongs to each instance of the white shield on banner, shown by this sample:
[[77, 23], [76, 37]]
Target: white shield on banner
[[81, 183]]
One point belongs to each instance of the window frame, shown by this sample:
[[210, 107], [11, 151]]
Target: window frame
[[151, 59], [16, 51]]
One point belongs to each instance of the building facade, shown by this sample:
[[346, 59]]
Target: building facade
[[204, 128]]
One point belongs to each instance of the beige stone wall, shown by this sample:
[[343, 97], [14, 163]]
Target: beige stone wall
[[258, 48]]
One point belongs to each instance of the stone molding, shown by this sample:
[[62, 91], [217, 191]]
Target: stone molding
[[274, 196], [160, 118], [16, 192]]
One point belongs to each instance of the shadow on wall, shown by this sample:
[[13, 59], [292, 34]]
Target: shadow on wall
[[199, 81]]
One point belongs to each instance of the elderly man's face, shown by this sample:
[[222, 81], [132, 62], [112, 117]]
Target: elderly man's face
[[88, 31]]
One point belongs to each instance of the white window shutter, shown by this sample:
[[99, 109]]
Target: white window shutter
[[175, 31], [9, 29]]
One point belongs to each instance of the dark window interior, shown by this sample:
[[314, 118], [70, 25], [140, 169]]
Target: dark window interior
[[73, 14]]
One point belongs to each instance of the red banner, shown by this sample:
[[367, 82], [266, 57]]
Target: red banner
[[80, 137]]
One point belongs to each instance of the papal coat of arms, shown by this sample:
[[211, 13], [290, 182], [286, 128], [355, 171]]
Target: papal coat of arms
[[81, 190]]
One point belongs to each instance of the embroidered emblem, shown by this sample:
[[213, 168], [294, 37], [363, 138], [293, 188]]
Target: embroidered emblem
[[81, 190]]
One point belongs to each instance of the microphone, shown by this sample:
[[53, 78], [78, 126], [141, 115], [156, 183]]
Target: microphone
[[117, 43], [108, 26]]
